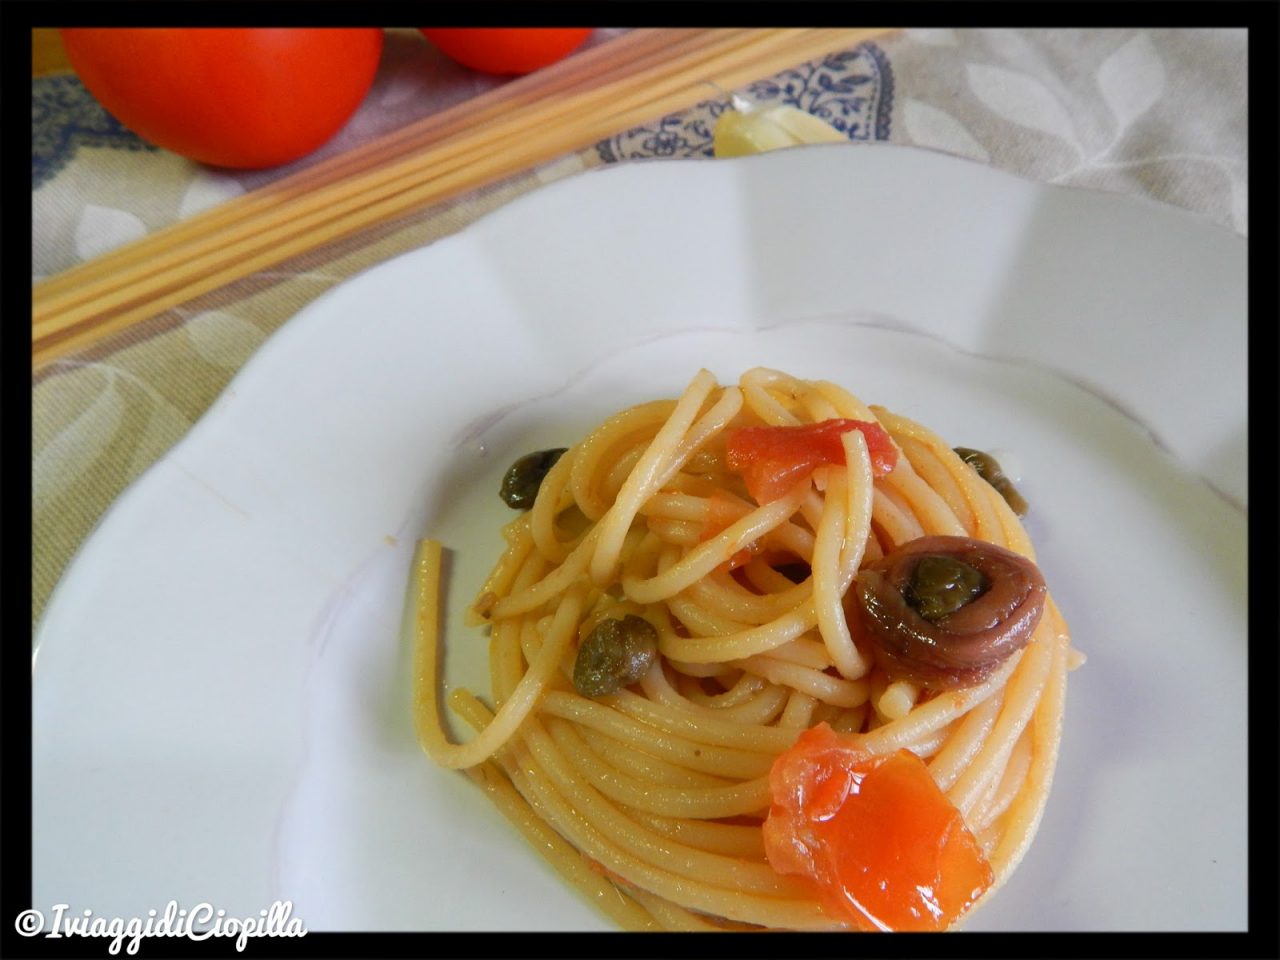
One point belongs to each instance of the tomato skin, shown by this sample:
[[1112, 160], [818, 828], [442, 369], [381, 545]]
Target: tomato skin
[[244, 98], [772, 460], [884, 847], [506, 50]]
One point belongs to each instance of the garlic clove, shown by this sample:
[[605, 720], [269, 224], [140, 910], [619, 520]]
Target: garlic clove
[[740, 133]]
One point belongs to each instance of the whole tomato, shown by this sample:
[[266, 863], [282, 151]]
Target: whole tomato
[[232, 97], [506, 49]]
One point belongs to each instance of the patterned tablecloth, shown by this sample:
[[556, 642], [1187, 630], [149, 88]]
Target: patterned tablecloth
[[1154, 113]]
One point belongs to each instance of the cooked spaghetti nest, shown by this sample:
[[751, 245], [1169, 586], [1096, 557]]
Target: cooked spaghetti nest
[[650, 799]]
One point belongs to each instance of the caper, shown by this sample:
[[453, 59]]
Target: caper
[[525, 476], [618, 652], [941, 585], [989, 470]]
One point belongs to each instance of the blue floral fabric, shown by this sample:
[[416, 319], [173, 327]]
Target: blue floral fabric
[[852, 91], [64, 116]]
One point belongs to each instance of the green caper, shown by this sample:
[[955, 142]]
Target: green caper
[[613, 655], [989, 470], [941, 585], [524, 477]]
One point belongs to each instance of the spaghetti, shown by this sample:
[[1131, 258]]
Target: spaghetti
[[729, 584]]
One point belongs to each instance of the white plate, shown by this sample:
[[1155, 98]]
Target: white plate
[[220, 694]]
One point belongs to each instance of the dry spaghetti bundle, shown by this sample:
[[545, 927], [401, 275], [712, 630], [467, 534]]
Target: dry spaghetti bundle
[[749, 645]]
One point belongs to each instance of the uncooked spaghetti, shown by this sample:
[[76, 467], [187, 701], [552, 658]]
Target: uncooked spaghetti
[[719, 606]]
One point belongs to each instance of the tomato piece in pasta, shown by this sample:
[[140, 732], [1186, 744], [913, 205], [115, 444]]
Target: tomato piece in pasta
[[723, 511], [772, 460], [884, 846]]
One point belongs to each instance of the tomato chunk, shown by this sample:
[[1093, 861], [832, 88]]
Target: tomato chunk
[[883, 845], [772, 460], [724, 511]]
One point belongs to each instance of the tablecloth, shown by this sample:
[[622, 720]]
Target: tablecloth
[[1157, 113]]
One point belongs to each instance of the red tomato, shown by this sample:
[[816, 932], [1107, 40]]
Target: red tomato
[[885, 847], [232, 97], [772, 460], [506, 49], [723, 512]]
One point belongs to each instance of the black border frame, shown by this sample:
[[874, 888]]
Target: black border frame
[[1262, 20]]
